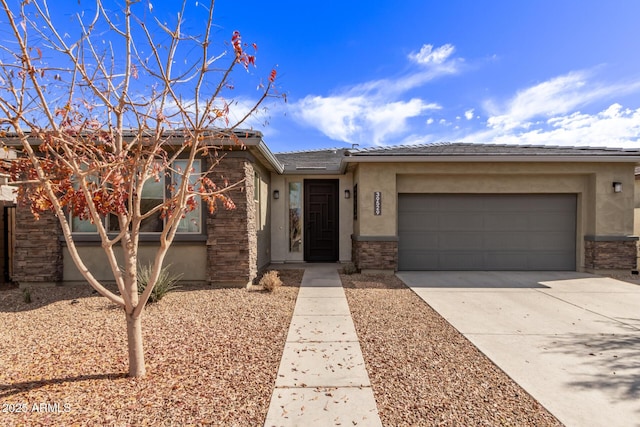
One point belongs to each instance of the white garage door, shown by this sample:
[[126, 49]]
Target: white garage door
[[486, 232]]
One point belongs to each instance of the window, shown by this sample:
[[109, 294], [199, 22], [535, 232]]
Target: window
[[192, 222], [154, 194], [295, 217]]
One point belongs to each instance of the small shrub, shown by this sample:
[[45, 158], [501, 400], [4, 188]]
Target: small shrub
[[270, 281], [26, 295], [166, 282], [349, 269]]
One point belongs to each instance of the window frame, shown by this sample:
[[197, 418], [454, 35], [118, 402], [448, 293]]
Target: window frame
[[169, 179]]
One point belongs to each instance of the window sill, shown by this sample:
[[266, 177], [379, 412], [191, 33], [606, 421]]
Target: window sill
[[85, 239]]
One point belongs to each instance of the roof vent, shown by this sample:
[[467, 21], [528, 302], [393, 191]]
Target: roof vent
[[354, 146]]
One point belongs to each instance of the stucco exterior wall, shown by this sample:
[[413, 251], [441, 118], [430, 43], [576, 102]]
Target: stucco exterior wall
[[263, 217], [280, 217], [600, 211], [636, 221], [186, 259]]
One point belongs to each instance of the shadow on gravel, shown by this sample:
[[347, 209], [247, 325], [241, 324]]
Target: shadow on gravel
[[618, 354], [484, 279], [7, 390], [35, 297], [14, 300]]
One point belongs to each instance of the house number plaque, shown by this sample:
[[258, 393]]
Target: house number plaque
[[377, 203]]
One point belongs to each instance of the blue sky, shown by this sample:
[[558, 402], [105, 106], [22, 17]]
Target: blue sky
[[558, 72], [381, 73]]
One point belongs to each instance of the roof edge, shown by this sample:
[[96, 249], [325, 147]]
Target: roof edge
[[602, 158]]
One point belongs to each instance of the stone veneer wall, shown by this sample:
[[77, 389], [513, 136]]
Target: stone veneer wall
[[231, 234], [374, 254], [610, 254], [232, 248], [38, 250]]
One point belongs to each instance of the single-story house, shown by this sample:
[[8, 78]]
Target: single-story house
[[445, 206]]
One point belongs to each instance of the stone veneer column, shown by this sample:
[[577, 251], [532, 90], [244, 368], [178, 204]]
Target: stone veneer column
[[231, 234], [374, 253], [610, 253], [38, 251]]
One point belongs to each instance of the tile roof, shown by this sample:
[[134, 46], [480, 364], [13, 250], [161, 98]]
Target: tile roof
[[333, 160], [469, 149], [315, 161]]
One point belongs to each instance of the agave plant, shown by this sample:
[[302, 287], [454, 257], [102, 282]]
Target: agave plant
[[166, 282]]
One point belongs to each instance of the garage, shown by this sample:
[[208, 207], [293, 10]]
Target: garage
[[487, 232]]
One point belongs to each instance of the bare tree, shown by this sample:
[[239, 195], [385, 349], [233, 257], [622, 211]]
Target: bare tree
[[101, 116]]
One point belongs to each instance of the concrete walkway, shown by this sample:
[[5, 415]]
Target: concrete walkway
[[322, 380], [572, 340]]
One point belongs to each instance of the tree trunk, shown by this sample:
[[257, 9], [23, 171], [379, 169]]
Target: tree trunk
[[136, 350]]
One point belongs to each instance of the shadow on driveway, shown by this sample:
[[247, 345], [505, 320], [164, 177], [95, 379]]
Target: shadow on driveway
[[485, 279], [572, 340], [616, 355]]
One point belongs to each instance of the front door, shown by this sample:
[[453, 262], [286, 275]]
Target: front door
[[321, 220]]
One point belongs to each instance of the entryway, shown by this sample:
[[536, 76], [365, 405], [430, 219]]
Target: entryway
[[321, 220]]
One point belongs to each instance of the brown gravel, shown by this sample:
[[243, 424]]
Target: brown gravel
[[212, 357], [423, 371]]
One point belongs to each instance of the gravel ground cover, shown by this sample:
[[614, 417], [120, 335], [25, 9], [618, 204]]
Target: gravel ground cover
[[423, 371], [212, 357]]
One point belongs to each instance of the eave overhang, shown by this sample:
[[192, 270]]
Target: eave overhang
[[490, 159]]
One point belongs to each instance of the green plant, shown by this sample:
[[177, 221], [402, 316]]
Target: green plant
[[270, 281], [349, 269], [26, 295], [166, 282]]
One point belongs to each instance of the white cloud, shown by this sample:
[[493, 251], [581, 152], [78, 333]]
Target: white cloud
[[549, 114], [469, 114], [359, 119], [559, 95], [429, 55], [376, 111], [614, 126]]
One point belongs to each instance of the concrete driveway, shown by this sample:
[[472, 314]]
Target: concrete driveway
[[572, 340]]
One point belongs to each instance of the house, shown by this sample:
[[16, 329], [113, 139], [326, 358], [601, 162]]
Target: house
[[447, 206]]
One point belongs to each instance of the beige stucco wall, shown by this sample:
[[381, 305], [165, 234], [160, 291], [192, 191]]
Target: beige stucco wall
[[263, 218], [600, 211], [280, 217], [636, 222], [190, 260]]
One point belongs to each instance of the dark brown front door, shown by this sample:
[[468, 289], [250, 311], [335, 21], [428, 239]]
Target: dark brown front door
[[321, 220]]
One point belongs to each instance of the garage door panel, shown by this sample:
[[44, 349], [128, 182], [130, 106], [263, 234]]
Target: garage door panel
[[518, 240], [427, 258], [456, 240], [487, 232], [506, 260], [551, 222], [419, 240], [558, 241], [511, 221], [455, 221], [417, 221], [460, 260]]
